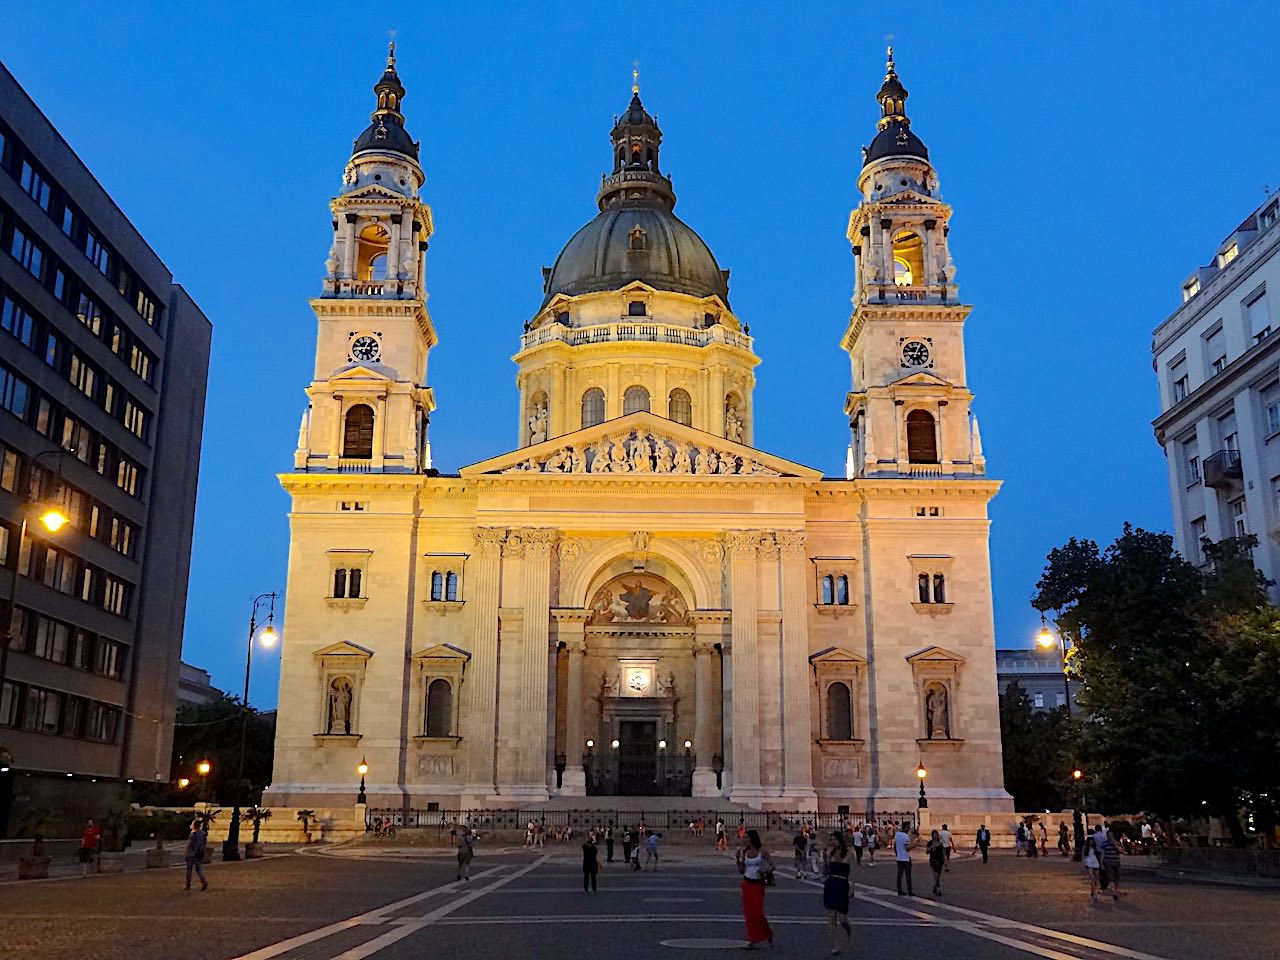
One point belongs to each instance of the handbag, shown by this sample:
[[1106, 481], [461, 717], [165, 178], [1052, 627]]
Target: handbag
[[769, 879]]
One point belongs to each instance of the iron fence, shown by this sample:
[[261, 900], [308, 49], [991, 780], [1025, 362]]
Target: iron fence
[[518, 819]]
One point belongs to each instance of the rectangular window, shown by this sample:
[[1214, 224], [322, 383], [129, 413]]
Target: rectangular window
[[90, 313], [87, 583], [1269, 215], [140, 363], [73, 712], [1038, 700], [1060, 699], [127, 477], [81, 649], [82, 375], [1191, 457], [102, 721], [1190, 289], [1259, 316], [35, 185], [1231, 441], [9, 470], [15, 319], [118, 338], [115, 595], [97, 252], [135, 419], [1178, 378], [110, 659], [52, 640], [59, 285], [146, 307], [1239, 518], [1227, 255], [1215, 352], [15, 393], [28, 253], [10, 701], [54, 348], [109, 397], [1273, 416], [69, 221], [43, 710]]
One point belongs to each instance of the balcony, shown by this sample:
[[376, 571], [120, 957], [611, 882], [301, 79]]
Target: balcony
[[630, 331], [880, 292], [1222, 470]]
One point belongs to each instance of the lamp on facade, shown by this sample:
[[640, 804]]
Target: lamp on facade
[[921, 772], [361, 768], [662, 744], [615, 744], [268, 638], [1045, 640]]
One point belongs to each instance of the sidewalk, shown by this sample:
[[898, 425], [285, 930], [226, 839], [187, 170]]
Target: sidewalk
[[135, 861]]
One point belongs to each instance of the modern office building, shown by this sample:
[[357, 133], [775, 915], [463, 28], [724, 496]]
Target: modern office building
[[195, 687], [1218, 365], [1036, 671], [103, 365]]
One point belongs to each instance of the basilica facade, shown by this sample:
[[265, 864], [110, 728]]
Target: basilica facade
[[637, 599]]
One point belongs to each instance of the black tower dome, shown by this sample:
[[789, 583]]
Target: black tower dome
[[895, 138], [386, 132]]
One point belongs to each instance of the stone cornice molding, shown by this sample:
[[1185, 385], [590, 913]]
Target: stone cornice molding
[[709, 616], [685, 485], [570, 614]]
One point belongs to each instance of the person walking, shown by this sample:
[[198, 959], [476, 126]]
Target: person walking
[[1111, 861], [948, 844], [651, 852], [1020, 839], [1092, 866], [903, 844], [722, 839], [635, 848], [608, 842], [858, 838], [937, 851], [983, 841], [756, 867], [590, 863], [835, 892], [801, 844], [89, 841], [1044, 839], [872, 842], [626, 845], [466, 850], [1064, 841], [194, 855]]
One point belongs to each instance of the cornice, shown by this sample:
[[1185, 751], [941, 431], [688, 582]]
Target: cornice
[[694, 485]]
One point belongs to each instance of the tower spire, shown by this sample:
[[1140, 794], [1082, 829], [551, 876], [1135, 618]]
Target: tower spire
[[635, 78]]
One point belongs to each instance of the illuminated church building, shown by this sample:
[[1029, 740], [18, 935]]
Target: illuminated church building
[[637, 600]]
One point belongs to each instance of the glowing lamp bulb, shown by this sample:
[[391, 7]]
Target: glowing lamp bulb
[[362, 768], [204, 767], [54, 520], [268, 636], [921, 772]]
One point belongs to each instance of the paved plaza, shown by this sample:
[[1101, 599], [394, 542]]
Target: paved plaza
[[348, 903]]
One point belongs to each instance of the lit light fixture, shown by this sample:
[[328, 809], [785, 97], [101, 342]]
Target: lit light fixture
[[613, 744], [1045, 637], [362, 768], [590, 744], [130, 780], [70, 774], [268, 636], [54, 520], [662, 744], [1077, 774], [183, 783], [4, 769], [921, 772], [204, 767], [688, 744]]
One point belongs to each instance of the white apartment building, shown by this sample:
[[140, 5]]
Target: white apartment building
[[1218, 365]]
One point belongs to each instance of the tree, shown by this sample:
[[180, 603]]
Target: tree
[[1037, 753], [1172, 670]]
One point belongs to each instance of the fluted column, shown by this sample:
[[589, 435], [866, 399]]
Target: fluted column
[[393, 253], [746, 666], [797, 735], [479, 726], [349, 247], [705, 742], [534, 637]]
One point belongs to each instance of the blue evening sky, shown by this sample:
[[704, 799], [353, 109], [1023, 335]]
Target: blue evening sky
[[1094, 155]]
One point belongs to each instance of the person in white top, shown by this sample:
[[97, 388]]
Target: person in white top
[[756, 867], [1092, 865], [947, 844], [903, 844], [858, 838]]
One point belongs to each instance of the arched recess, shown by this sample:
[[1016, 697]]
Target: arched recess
[[671, 561], [592, 407], [372, 244], [908, 259], [922, 437], [357, 431], [635, 400], [680, 407]]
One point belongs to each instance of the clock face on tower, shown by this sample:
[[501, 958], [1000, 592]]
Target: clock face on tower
[[915, 353], [366, 349]]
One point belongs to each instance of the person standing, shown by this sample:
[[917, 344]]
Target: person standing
[[902, 847], [626, 845], [194, 855], [756, 866], [937, 851], [801, 844], [590, 863], [1020, 839], [872, 842], [835, 892], [722, 839], [1092, 866], [89, 841], [947, 844], [651, 852], [635, 848], [1111, 861], [983, 841], [608, 842], [1044, 839], [858, 839], [1064, 841], [466, 850]]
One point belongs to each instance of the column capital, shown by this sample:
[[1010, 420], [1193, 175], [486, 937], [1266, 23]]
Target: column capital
[[742, 544], [791, 542], [768, 546], [703, 648], [538, 540], [489, 540], [576, 646]]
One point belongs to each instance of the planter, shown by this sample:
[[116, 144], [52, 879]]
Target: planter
[[157, 858], [111, 862], [33, 868], [252, 851]]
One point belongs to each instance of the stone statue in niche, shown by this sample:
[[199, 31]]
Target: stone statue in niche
[[683, 463], [937, 712], [538, 424], [340, 695], [732, 424]]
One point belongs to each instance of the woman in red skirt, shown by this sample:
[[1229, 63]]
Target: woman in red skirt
[[756, 867]]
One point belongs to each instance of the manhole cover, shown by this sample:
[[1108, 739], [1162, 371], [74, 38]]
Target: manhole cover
[[704, 943]]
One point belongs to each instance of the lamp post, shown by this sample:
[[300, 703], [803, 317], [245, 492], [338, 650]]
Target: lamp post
[[204, 768], [53, 519], [921, 773], [1078, 818], [1045, 639], [361, 768], [231, 845]]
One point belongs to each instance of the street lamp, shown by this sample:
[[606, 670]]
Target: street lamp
[[268, 637], [361, 768], [1045, 640], [53, 519], [203, 768], [921, 772], [1079, 818]]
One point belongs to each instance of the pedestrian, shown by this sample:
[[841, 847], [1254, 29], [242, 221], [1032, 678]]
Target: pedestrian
[[983, 841], [1020, 839], [1146, 838], [947, 844], [722, 839], [937, 850], [608, 842], [194, 854], [466, 850], [858, 838], [89, 841], [1111, 861], [635, 847], [1092, 867], [872, 843], [756, 867], [590, 863], [835, 892], [1044, 839], [815, 855], [801, 844], [528, 835], [1064, 841], [626, 845], [903, 844], [651, 852]]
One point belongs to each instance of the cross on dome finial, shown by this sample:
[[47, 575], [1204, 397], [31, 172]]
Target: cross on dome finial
[[391, 52], [635, 77]]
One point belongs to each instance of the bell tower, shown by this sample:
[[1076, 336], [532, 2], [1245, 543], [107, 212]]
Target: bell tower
[[369, 400], [909, 407]]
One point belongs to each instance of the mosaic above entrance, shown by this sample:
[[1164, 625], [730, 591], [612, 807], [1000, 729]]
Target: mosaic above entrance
[[638, 598]]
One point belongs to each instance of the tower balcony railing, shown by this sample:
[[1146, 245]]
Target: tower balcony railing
[[396, 289], [876, 292], [621, 332]]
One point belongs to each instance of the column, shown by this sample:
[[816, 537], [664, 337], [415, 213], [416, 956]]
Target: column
[[534, 641], [746, 666], [553, 699], [705, 742], [393, 253], [613, 399], [886, 251], [335, 432], [575, 779], [797, 730], [349, 247], [715, 412], [481, 687], [561, 409], [658, 402]]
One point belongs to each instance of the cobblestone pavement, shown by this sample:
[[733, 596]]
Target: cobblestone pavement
[[353, 903]]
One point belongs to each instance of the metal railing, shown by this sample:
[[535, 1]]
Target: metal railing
[[1222, 468], [632, 331], [518, 819]]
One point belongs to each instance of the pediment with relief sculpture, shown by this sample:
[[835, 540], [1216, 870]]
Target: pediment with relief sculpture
[[641, 444]]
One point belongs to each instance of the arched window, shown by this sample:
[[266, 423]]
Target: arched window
[[680, 407], [839, 712], [437, 586], [635, 400], [939, 588], [378, 267], [922, 437], [439, 709], [908, 259], [901, 272], [924, 587], [353, 583], [451, 586], [592, 407], [637, 239], [340, 582], [842, 589], [357, 437], [828, 589]]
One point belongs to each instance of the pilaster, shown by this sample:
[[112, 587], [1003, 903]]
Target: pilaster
[[743, 545], [479, 723], [797, 742], [534, 656]]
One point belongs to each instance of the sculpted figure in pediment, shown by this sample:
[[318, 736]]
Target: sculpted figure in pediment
[[683, 463], [618, 459], [664, 461]]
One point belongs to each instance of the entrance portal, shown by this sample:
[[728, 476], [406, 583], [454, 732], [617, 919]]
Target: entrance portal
[[637, 758]]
